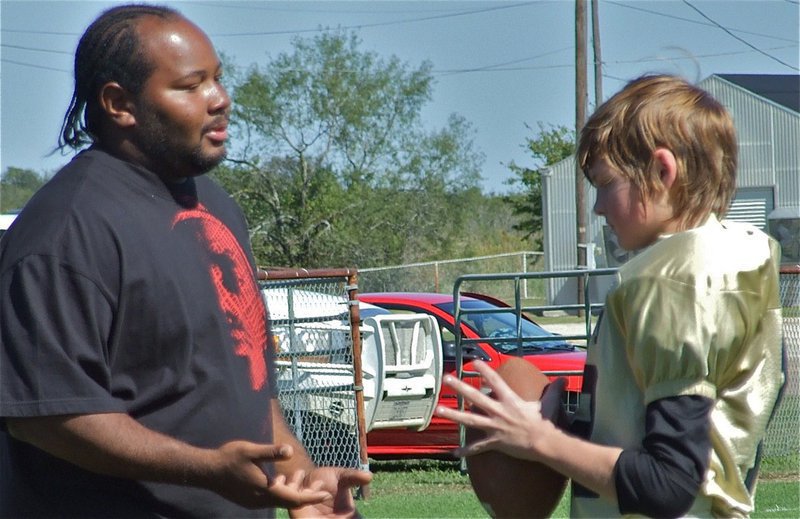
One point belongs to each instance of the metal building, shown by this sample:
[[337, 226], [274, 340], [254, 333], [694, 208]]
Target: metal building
[[766, 112]]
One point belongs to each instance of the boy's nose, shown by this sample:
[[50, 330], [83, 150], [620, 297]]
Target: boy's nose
[[597, 207]]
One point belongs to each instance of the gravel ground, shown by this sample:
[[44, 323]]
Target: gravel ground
[[566, 328]]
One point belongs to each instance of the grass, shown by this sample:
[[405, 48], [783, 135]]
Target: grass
[[781, 467], [777, 499], [420, 488], [437, 489]]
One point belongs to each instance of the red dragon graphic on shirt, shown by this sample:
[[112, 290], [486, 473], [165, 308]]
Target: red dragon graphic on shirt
[[237, 291]]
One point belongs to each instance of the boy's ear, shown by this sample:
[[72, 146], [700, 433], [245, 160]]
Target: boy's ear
[[118, 104], [664, 161]]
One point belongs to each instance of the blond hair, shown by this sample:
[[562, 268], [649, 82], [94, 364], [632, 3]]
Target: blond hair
[[663, 111]]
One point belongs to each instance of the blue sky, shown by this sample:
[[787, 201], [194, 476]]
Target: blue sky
[[503, 66]]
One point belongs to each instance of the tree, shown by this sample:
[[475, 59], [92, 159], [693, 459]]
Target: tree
[[333, 165], [549, 146], [17, 185]]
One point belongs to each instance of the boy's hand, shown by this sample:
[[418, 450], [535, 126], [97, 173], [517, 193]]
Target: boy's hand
[[511, 425]]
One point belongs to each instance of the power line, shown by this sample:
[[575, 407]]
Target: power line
[[411, 20], [695, 56], [497, 67], [449, 72], [379, 24], [295, 8], [52, 33], [302, 31], [696, 22], [31, 65], [701, 13], [20, 47]]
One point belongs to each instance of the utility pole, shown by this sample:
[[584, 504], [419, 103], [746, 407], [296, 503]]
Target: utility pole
[[598, 58], [580, 121]]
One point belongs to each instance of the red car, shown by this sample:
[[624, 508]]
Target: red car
[[496, 330]]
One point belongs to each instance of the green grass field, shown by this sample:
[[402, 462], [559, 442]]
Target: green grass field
[[437, 489]]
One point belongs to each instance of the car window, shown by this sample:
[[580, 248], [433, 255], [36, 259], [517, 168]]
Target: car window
[[401, 311], [448, 342], [371, 311], [447, 334], [502, 324]]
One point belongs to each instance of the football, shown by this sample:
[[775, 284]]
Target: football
[[508, 487]]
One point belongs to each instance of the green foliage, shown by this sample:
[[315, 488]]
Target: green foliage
[[333, 166], [549, 146], [490, 225], [17, 186]]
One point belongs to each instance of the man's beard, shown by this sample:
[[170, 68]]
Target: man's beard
[[155, 139]]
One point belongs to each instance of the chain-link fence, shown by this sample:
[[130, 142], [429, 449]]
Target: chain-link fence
[[783, 434], [317, 374], [314, 323], [439, 276]]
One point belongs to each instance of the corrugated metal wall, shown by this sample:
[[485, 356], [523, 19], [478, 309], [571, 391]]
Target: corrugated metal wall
[[560, 234], [769, 158], [769, 140]]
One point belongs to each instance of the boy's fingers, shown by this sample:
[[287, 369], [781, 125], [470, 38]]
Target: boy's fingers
[[472, 449], [478, 398], [493, 379], [474, 420]]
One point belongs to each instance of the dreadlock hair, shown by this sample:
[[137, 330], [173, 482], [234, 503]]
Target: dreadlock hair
[[109, 50]]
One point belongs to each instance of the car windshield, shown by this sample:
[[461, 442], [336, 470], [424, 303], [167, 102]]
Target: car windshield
[[371, 311], [502, 324]]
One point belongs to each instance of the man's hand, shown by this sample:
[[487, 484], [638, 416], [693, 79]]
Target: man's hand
[[338, 482], [239, 476]]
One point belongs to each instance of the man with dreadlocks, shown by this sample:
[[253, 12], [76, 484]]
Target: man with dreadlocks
[[134, 378]]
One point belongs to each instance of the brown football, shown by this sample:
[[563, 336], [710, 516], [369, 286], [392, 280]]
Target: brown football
[[510, 487]]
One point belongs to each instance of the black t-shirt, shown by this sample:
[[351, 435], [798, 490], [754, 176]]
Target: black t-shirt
[[120, 293]]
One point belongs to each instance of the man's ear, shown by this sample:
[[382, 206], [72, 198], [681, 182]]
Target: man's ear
[[118, 104], [664, 161]]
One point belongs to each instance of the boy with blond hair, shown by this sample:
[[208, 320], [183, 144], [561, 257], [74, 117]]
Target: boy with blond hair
[[685, 365]]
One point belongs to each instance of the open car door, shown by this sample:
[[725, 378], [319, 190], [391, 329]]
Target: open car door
[[403, 358]]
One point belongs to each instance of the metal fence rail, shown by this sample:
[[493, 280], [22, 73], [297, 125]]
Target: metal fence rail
[[783, 433], [514, 284]]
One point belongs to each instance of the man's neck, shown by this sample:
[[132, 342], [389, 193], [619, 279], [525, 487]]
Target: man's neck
[[125, 150]]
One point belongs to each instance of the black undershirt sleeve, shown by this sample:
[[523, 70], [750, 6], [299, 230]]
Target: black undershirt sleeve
[[663, 477]]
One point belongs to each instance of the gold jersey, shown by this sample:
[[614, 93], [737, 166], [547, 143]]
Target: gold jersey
[[697, 313]]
